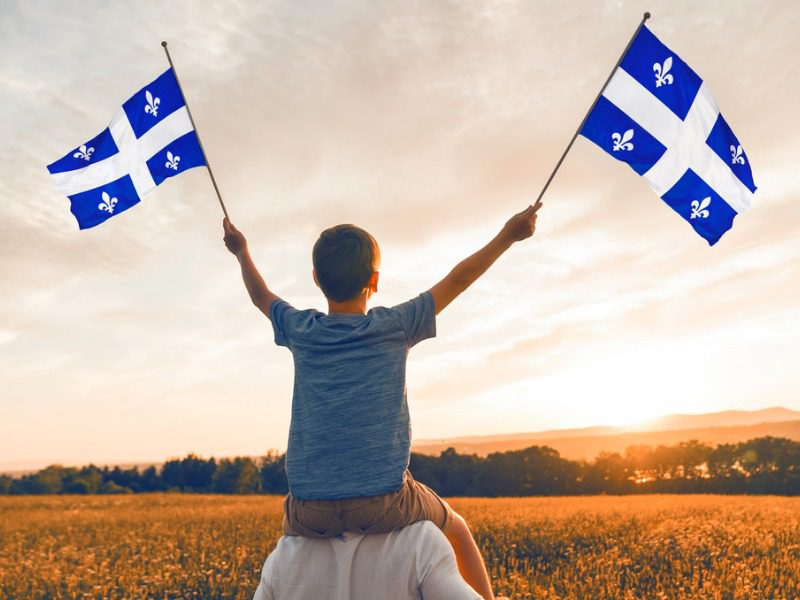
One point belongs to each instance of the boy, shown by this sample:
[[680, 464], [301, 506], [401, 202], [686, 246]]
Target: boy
[[349, 438]]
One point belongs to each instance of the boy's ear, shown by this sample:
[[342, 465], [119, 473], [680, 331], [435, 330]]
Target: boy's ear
[[373, 281], [314, 275]]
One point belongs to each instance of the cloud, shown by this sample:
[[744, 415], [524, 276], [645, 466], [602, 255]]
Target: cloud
[[428, 124], [7, 336]]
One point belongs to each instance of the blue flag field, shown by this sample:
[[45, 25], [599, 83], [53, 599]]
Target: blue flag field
[[150, 139], [657, 115]]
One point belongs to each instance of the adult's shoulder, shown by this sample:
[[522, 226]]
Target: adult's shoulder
[[426, 534], [423, 538], [426, 530]]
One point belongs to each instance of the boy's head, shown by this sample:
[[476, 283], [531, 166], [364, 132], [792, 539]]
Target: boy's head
[[345, 258]]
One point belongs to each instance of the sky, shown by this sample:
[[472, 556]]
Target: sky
[[428, 124]]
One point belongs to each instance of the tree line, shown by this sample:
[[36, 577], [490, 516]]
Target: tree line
[[766, 465], [240, 475]]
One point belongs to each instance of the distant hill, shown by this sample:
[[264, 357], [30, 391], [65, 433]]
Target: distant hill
[[712, 428], [728, 418]]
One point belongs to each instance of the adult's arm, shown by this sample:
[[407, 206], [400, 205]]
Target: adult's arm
[[264, 589], [437, 569]]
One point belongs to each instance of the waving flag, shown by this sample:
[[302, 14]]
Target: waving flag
[[657, 115], [150, 138]]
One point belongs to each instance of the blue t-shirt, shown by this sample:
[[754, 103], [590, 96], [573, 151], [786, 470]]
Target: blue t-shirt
[[350, 434]]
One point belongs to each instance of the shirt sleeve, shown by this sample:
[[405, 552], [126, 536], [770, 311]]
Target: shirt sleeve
[[264, 589], [282, 315], [437, 569], [418, 318]]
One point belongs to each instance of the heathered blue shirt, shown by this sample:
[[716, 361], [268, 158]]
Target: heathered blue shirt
[[350, 434]]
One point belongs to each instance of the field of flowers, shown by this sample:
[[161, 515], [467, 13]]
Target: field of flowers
[[211, 547]]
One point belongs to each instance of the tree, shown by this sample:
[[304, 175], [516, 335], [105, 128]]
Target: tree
[[192, 473], [109, 487], [761, 465], [88, 480], [273, 474], [198, 473], [457, 473], [641, 462], [610, 473], [425, 470], [151, 481], [237, 476], [449, 474], [771, 464], [49, 480], [692, 458], [172, 474], [126, 478], [724, 470], [538, 470], [665, 463]]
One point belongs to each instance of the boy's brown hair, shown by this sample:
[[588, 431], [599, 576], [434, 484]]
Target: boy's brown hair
[[344, 257]]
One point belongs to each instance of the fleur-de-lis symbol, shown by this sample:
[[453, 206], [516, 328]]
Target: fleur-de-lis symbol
[[699, 208], [84, 152], [663, 76], [151, 107], [622, 142], [108, 203], [737, 155], [172, 161]]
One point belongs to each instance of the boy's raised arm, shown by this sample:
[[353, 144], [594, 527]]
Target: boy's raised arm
[[519, 227], [260, 294]]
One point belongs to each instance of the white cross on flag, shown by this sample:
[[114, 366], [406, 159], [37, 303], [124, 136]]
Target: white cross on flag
[[150, 139], [658, 116]]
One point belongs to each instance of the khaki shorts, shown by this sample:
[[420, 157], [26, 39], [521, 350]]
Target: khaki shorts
[[413, 502]]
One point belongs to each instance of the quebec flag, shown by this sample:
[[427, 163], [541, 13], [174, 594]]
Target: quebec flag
[[150, 138], [657, 115]]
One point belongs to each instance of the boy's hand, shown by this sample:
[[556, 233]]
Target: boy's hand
[[522, 225], [234, 239]]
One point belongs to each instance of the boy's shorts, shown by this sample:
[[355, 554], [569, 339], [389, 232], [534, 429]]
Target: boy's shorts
[[413, 502]]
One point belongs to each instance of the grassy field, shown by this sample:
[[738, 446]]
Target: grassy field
[[181, 546]]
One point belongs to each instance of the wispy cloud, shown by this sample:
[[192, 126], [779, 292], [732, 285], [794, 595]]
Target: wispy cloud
[[428, 124]]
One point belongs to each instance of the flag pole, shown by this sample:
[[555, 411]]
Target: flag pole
[[591, 108], [197, 133]]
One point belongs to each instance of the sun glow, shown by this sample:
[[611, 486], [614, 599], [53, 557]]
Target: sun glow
[[627, 384], [630, 384]]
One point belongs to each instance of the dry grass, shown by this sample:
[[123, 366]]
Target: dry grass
[[181, 546]]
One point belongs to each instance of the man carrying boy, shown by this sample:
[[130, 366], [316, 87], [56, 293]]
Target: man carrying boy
[[349, 438]]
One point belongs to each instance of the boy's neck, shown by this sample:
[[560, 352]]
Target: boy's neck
[[355, 306]]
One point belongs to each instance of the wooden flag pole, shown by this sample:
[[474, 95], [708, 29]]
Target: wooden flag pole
[[591, 108], [197, 133]]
